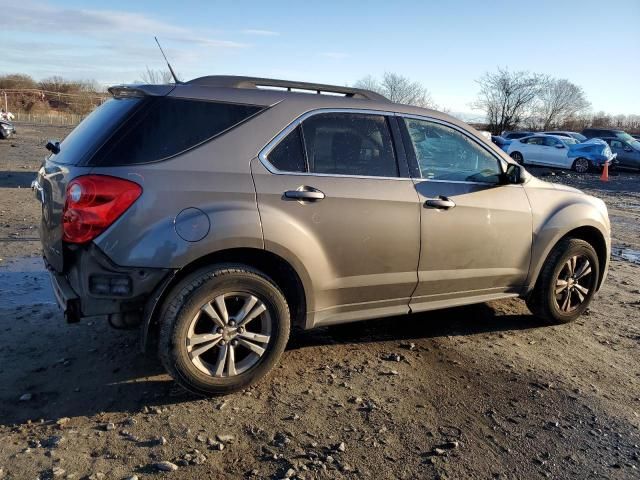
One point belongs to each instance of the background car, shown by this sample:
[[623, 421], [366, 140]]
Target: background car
[[501, 142], [627, 153], [7, 130], [513, 135], [607, 133], [560, 152], [637, 137], [563, 133]]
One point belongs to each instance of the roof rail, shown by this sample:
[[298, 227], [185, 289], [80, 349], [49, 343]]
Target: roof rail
[[231, 81]]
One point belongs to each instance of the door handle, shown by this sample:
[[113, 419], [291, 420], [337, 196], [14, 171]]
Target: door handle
[[442, 203], [305, 194]]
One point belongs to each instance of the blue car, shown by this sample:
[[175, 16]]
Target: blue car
[[503, 143]]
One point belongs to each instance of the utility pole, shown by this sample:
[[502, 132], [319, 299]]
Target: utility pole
[[6, 108]]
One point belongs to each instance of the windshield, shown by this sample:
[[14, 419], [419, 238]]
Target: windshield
[[625, 136], [568, 140], [579, 137]]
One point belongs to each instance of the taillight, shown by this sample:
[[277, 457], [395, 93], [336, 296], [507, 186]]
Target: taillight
[[93, 203]]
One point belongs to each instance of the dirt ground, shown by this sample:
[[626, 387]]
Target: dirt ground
[[475, 392]]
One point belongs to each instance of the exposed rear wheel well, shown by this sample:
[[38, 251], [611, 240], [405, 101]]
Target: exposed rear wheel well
[[593, 237], [274, 266]]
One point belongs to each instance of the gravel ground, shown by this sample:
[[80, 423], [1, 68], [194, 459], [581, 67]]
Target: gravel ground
[[475, 392]]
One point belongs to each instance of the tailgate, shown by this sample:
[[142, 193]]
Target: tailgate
[[50, 188]]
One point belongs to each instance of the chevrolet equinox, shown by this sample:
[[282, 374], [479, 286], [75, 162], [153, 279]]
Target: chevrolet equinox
[[217, 214]]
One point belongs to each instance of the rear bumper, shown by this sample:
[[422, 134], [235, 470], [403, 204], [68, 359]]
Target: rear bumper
[[93, 286], [66, 297]]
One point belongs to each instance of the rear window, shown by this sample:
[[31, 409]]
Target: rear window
[[165, 126], [83, 141]]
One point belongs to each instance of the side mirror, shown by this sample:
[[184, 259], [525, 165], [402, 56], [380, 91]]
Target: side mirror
[[559, 145], [513, 175], [628, 149]]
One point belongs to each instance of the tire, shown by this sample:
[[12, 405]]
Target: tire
[[517, 156], [186, 319], [548, 305], [581, 165]]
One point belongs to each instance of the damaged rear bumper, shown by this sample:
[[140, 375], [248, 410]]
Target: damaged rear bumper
[[93, 286]]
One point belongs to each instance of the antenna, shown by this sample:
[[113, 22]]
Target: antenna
[[173, 74]]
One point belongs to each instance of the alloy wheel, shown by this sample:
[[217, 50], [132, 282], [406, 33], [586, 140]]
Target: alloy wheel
[[229, 335], [517, 156], [582, 165], [574, 283]]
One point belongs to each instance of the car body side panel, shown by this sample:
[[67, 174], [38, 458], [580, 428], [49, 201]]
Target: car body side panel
[[557, 211], [360, 243]]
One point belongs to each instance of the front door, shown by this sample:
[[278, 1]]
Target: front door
[[476, 233], [332, 202]]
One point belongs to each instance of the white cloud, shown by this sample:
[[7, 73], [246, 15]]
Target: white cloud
[[261, 33], [40, 18], [107, 45]]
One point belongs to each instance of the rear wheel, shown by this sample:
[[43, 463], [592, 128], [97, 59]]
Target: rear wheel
[[223, 328], [517, 156], [567, 282], [581, 165]]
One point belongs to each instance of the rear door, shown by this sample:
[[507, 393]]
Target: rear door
[[476, 233], [332, 199]]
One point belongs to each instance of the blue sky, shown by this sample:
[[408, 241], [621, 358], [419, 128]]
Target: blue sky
[[444, 45]]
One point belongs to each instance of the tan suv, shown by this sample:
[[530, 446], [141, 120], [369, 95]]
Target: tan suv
[[216, 214]]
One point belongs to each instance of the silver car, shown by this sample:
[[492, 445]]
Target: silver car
[[217, 214]]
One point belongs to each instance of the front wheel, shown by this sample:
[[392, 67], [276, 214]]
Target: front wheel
[[567, 282], [581, 165], [223, 328], [517, 156]]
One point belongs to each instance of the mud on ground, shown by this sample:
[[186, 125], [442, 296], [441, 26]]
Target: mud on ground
[[475, 392]]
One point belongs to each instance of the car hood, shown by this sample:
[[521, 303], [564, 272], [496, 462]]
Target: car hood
[[535, 182], [565, 188]]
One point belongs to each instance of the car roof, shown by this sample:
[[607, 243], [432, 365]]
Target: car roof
[[603, 129], [270, 92]]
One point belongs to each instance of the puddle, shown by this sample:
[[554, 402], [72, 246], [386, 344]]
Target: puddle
[[627, 254], [24, 282]]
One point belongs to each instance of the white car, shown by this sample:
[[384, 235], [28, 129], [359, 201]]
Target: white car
[[548, 150]]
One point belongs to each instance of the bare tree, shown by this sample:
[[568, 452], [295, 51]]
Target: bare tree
[[507, 97], [398, 89], [560, 100], [156, 77]]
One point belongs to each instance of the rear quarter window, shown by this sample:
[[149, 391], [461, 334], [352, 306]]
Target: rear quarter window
[[162, 127]]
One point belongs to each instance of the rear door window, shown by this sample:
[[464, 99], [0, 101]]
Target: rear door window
[[162, 127], [349, 144]]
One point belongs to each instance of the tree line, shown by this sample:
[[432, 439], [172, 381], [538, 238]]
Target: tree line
[[56, 93], [525, 100], [510, 100]]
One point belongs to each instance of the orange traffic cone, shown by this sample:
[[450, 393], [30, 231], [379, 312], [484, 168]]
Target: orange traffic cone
[[605, 172]]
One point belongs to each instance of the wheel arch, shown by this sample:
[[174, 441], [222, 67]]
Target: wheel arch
[[274, 266], [590, 234]]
